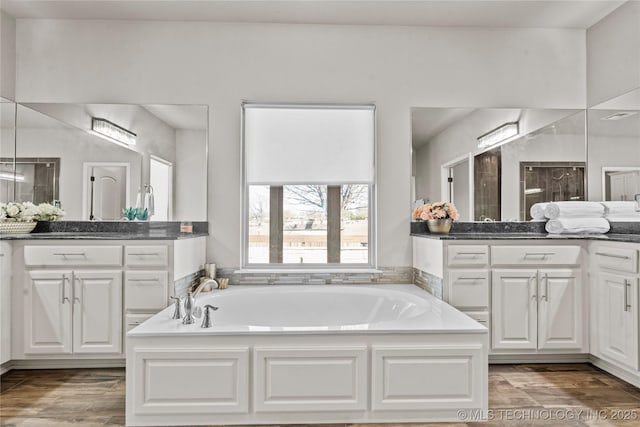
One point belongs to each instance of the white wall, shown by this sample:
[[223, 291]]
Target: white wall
[[190, 189], [613, 54], [222, 64], [7, 56]]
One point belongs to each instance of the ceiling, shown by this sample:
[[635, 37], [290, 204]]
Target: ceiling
[[475, 13]]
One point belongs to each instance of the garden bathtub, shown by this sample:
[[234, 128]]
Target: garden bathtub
[[309, 354]]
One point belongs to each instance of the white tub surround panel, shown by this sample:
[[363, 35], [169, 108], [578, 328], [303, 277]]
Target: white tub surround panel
[[193, 380], [73, 300], [384, 353], [333, 378]]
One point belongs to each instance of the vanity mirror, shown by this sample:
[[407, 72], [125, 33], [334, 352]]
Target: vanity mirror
[[614, 148], [7, 148], [96, 159], [494, 163]]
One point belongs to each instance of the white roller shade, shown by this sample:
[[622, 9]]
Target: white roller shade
[[309, 144]]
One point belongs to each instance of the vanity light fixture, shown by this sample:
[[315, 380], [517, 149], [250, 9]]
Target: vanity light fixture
[[499, 134], [8, 176], [112, 132], [620, 115], [532, 191]]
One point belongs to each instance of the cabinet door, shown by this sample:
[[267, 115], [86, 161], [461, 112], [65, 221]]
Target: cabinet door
[[618, 318], [514, 309], [560, 311], [97, 317], [47, 312], [5, 302]]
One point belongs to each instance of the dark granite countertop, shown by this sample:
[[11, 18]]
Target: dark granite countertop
[[111, 230], [629, 238], [102, 236], [523, 230]]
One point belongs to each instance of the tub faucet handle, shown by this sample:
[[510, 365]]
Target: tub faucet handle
[[177, 312], [206, 321]]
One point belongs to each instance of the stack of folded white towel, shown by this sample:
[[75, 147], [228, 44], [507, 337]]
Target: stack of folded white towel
[[571, 217]]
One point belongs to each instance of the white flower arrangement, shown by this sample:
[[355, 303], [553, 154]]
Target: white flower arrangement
[[28, 212]]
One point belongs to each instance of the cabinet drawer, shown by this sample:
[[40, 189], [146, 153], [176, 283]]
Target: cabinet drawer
[[73, 255], [133, 320], [535, 255], [469, 289], [146, 256], [462, 255], [479, 316], [146, 290], [618, 259]]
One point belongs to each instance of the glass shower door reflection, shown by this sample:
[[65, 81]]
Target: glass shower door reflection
[[550, 182]]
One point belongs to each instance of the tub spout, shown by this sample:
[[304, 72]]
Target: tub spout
[[190, 308], [209, 282]]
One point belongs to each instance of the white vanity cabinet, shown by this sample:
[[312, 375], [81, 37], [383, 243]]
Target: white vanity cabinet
[[531, 295], [146, 281], [467, 280], [72, 299], [75, 299], [537, 309], [73, 311], [5, 301], [538, 298], [614, 270]]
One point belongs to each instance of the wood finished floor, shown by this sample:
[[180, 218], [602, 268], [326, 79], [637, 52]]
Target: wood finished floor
[[572, 394]]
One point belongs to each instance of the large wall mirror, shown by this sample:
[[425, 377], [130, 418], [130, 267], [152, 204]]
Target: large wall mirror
[[494, 163], [97, 159], [7, 148], [614, 148]]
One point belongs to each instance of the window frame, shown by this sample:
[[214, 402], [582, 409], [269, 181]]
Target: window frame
[[372, 208]]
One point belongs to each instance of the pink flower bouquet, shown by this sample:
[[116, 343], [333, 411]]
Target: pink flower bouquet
[[438, 210]]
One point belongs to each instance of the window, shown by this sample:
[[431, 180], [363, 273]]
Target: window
[[309, 185]]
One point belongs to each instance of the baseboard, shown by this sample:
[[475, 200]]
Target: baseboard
[[538, 358], [66, 363], [6, 367], [622, 373]]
